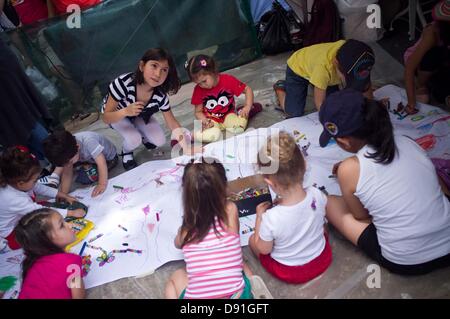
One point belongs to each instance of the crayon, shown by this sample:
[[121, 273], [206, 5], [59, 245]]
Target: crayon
[[95, 238], [120, 226], [82, 248], [157, 217], [117, 186]]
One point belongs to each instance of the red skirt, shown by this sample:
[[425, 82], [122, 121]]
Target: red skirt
[[299, 274]]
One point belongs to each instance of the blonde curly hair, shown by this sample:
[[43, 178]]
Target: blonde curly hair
[[282, 151]]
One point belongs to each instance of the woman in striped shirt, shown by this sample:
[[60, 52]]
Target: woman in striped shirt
[[209, 238], [133, 98]]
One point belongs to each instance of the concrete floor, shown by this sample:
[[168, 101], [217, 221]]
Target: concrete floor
[[348, 275]]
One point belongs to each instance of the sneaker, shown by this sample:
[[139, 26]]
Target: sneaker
[[50, 180]]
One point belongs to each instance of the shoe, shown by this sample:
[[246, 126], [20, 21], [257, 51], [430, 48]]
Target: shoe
[[112, 163], [279, 87], [148, 145], [256, 108], [128, 164], [50, 180]]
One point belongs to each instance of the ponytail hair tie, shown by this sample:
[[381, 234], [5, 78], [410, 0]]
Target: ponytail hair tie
[[203, 63]]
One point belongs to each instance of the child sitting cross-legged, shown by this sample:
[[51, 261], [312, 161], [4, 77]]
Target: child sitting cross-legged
[[289, 238], [209, 238]]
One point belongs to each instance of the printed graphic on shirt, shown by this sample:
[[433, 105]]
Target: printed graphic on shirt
[[217, 107]]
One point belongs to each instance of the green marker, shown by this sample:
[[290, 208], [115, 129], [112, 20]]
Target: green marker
[[118, 187]]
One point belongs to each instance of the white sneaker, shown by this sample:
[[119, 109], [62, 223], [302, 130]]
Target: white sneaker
[[50, 180]]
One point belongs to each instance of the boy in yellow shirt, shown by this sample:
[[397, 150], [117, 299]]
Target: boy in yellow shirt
[[345, 63]]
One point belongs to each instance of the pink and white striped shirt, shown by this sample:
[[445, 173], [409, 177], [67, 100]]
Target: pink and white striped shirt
[[214, 265]]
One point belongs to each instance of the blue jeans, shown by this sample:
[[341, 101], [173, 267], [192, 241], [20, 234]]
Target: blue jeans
[[38, 134], [296, 91]]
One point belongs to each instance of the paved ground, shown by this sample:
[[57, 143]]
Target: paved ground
[[348, 275]]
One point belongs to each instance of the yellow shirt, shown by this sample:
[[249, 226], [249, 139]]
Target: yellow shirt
[[315, 63]]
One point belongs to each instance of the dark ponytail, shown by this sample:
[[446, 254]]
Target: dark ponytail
[[32, 233], [377, 131]]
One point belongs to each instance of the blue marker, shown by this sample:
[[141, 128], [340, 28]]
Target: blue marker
[[82, 249]]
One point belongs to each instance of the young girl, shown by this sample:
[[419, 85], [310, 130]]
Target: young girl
[[209, 237], [289, 238], [47, 271], [429, 60], [213, 99], [134, 97], [392, 206], [19, 171]]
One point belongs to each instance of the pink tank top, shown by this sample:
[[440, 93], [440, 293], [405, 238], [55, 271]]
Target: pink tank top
[[214, 265]]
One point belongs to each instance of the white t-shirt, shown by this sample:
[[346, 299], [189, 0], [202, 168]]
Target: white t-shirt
[[14, 204], [409, 210], [297, 231]]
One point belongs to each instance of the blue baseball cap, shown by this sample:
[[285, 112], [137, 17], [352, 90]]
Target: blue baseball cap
[[340, 114], [356, 60]]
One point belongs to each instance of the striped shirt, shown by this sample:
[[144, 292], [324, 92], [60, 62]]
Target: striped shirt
[[123, 90], [214, 265]]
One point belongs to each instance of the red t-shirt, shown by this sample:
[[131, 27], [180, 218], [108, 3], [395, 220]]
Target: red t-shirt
[[30, 11], [47, 278], [218, 102], [61, 5]]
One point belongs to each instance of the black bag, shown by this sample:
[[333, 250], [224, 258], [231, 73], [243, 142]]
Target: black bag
[[273, 29]]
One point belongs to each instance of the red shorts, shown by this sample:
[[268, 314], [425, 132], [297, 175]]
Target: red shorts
[[298, 274], [12, 243]]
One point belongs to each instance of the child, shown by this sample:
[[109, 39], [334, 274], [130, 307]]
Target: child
[[289, 238], [325, 66], [429, 59], [209, 237], [134, 97], [47, 271], [19, 171], [392, 206], [213, 99], [66, 150]]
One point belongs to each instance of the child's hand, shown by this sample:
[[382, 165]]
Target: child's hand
[[245, 111], [63, 197], [99, 189], [261, 208], [411, 109], [77, 213], [134, 109]]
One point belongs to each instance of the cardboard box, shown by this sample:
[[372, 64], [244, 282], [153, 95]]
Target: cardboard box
[[254, 185]]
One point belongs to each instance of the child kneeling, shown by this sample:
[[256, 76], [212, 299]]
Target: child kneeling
[[289, 238]]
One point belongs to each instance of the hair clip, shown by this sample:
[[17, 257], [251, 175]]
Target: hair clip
[[186, 64], [25, 149]]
